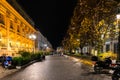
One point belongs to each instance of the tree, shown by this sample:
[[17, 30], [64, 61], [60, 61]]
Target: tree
[[92, 23]]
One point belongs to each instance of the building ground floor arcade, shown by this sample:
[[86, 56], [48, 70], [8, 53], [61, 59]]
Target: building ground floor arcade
[[11, 42]]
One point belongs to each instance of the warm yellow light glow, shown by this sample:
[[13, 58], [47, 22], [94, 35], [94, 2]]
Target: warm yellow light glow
[[118, 16], [96, 52], [78, 40], [13, 28], [32, 36], [108, 54]]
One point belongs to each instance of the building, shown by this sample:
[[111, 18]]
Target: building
[[113, 44], [42, 44], [15, 29]]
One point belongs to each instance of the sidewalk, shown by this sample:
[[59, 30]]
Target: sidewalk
[[85, 61], [4, 72]]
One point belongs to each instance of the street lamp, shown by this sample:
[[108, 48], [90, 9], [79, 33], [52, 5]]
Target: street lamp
[[33, 37], [118, 47], [118, 16]]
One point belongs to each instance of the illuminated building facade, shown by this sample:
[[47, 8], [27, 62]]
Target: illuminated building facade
[[42, 44], [15, 30]]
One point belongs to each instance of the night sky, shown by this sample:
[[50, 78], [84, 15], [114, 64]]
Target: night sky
[[51, 17]]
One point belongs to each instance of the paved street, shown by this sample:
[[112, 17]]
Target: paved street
[[57, 67]]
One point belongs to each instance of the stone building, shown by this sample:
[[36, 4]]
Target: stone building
[[15, 28]]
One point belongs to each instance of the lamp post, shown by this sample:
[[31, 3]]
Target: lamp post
[[118, 25], [33, 37]]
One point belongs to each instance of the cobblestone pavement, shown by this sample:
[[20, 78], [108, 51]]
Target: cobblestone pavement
[[57, 68]]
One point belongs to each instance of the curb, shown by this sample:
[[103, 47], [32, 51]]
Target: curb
[[28, 64]]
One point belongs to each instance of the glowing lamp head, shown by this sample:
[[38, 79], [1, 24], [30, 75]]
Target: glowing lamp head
[[118, 16], [32, 36]]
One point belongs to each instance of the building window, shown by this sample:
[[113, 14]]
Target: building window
[[11, 24], [0, 36], [18, 29], [107, 47], [8, 14], [15, 20], [2, 19], [23, 30], [115, 47]]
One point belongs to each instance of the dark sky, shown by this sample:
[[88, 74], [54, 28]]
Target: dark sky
[[52, 17]]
